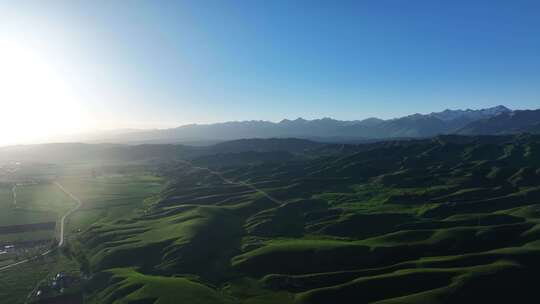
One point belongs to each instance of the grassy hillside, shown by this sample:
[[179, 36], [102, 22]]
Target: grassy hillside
[[447, 220]]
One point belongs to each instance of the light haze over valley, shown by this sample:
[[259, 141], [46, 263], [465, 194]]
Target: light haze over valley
[[261, 152]]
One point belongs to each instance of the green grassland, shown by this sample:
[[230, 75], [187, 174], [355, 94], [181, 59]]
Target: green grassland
[[448, 220], [41, 202], [107, 196], [16, 284], [11, 215], [36, 203]]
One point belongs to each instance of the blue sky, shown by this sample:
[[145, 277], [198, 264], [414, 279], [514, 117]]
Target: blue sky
[[164, 63]]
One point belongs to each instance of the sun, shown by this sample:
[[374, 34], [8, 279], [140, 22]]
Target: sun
[[36, 101]]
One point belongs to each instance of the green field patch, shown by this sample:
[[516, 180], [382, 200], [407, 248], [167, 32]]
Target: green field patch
[[41, 235], [110, 198], [10, 217]]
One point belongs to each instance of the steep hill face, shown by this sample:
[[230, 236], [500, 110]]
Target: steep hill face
[[451, 219], [506, 123]]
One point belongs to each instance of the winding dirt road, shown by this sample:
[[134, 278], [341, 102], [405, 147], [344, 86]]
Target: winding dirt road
[[232, 182], [63, 220], [14, 191]]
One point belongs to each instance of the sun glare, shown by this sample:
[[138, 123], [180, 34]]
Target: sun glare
[[36, 101]]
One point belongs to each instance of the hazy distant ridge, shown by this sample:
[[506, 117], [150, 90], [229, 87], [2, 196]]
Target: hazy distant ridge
[[416, 125]]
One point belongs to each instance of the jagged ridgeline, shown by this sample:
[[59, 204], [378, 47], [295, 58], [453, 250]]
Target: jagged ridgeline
[[446, 220]]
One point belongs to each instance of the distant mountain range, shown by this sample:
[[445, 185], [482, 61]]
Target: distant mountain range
[[495, 120], [505, 123]]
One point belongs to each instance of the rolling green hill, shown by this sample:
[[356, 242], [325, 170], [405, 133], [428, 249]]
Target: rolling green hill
[[446, 220]]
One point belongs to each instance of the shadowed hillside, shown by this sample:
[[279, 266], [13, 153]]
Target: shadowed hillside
[[445, 220]]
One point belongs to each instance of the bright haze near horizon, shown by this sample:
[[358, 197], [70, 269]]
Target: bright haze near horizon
[[79, 66]]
